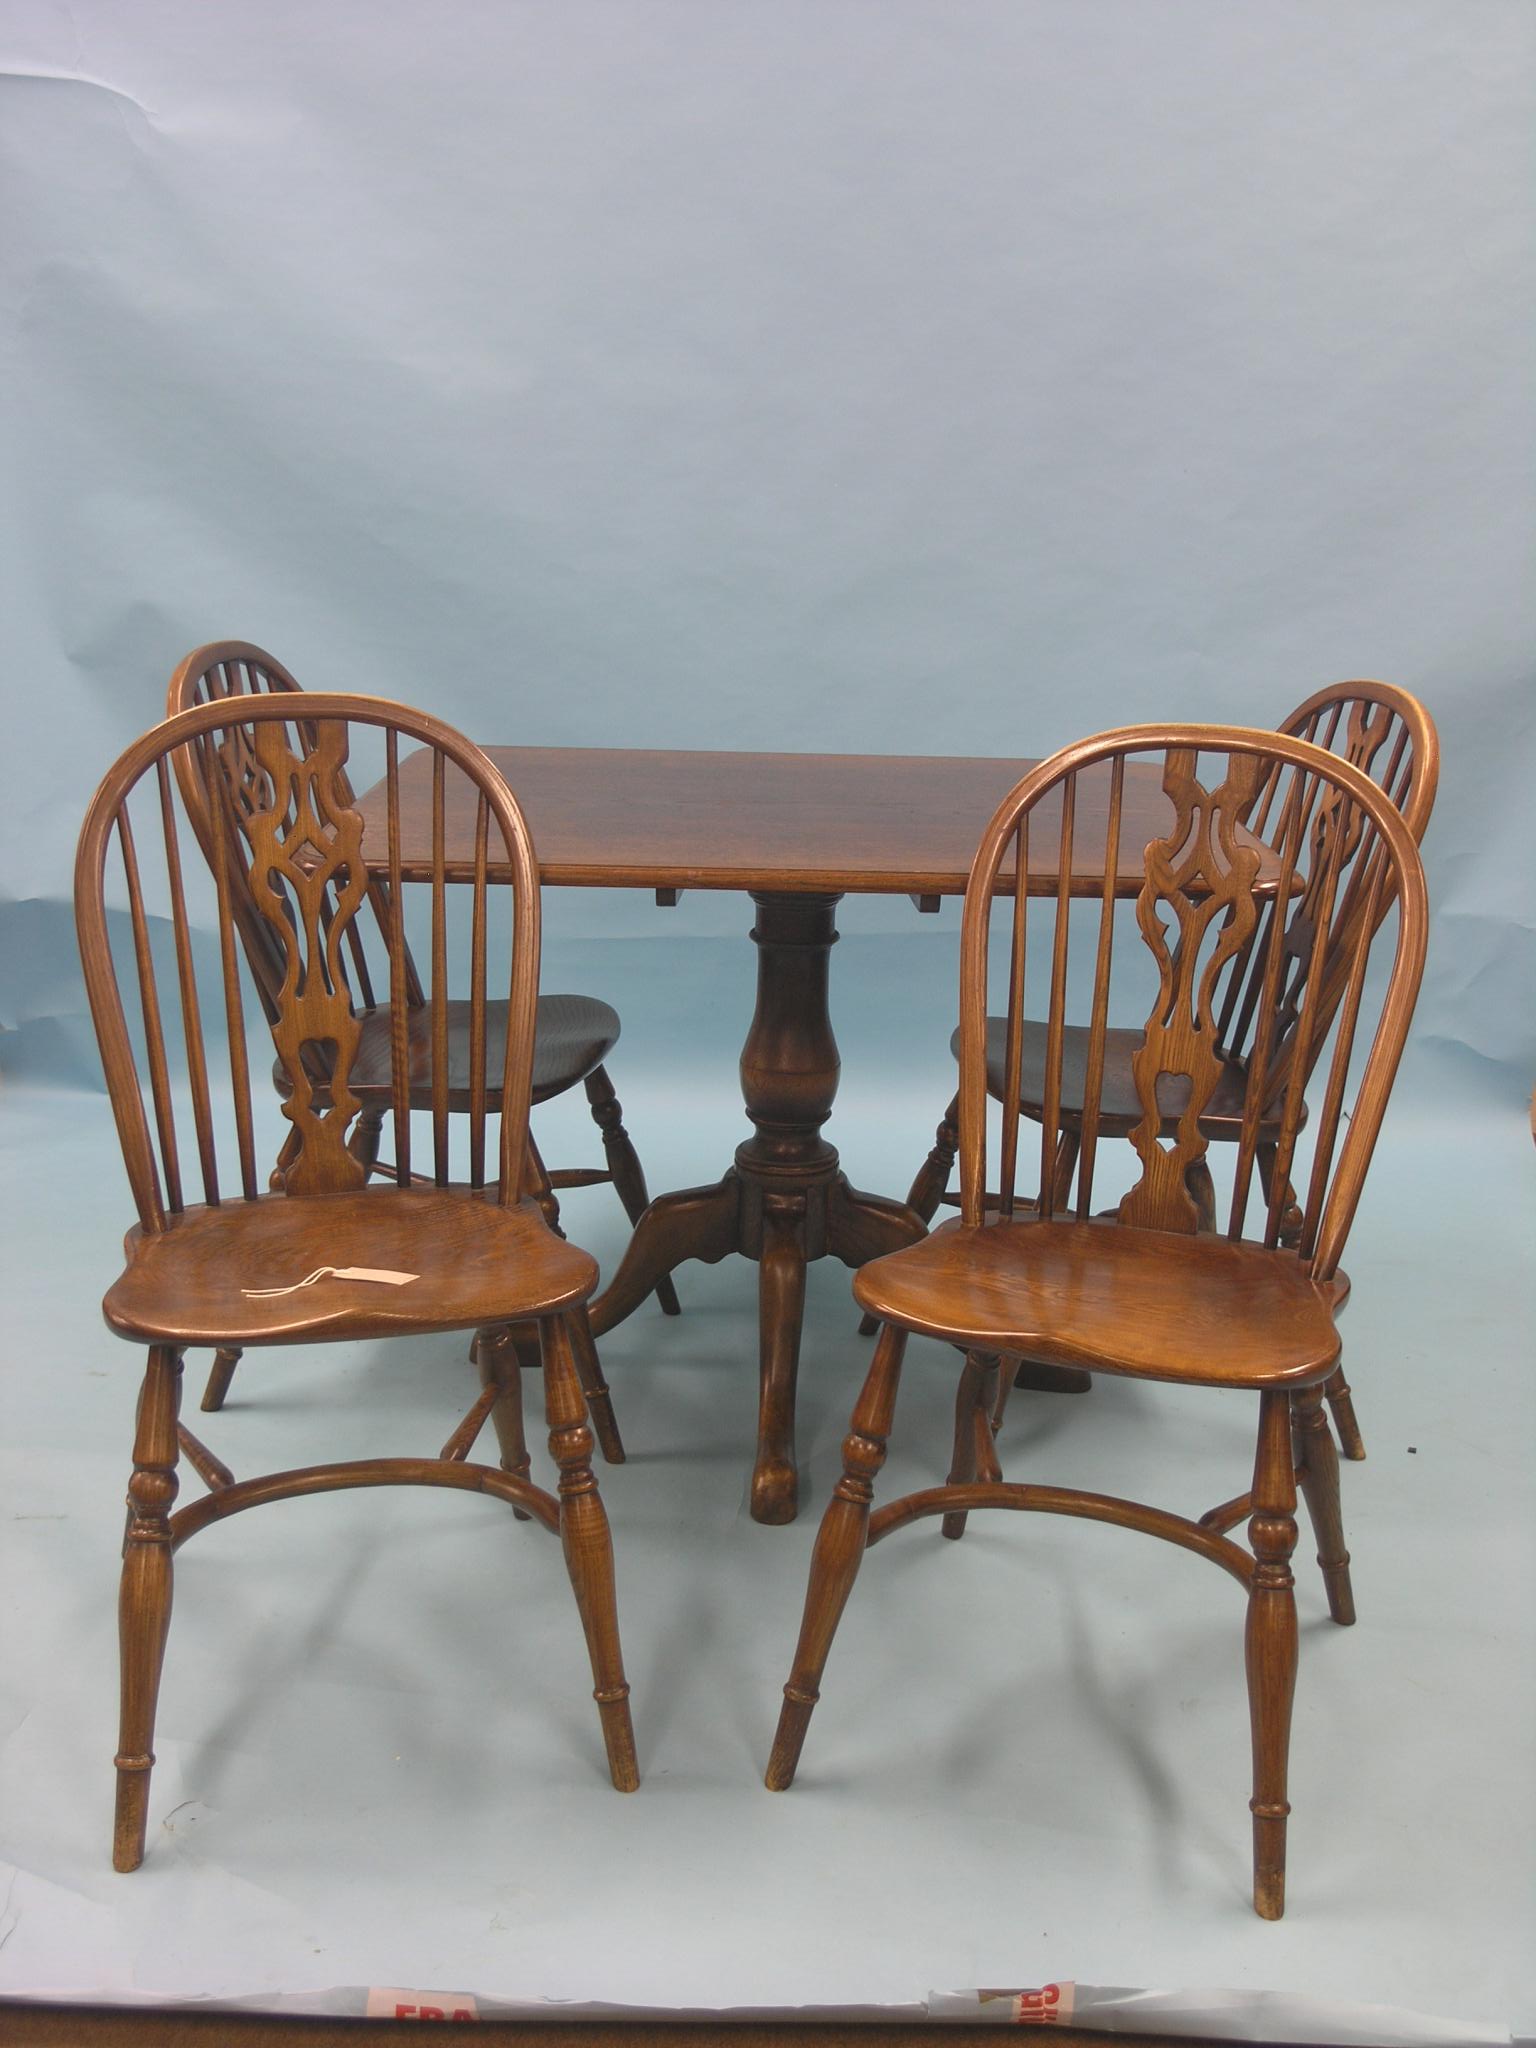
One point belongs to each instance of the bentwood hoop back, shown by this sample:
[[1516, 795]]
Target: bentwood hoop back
[[1176, 1283], [1388, 735], [446, 1243], [574, 1034]]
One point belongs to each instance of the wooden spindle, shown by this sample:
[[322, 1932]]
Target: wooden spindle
[[1050, 1114], [221, 835], [1256, 1094], [1308, 1029], [1326, 1136], [1093, 1080], [477, 1110], [191, 1015], [149, 1004], [1013, 1060], [439, 977], [399, 960]]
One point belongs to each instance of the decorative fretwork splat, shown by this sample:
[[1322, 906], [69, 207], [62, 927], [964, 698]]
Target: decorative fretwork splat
[[1334, 836], [1203, 875], [296, 814]]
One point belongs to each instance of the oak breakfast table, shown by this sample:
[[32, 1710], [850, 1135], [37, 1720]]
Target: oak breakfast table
[[795, 832]]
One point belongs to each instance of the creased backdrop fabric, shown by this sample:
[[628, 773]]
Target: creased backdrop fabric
[[896, 378]]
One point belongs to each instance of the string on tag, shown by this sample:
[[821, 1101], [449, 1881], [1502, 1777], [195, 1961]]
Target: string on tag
[[379, 1274]]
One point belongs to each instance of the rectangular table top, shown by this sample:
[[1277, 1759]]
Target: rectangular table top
[[883, 824]]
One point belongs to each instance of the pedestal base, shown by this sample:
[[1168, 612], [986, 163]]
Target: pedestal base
[[785, 1201]]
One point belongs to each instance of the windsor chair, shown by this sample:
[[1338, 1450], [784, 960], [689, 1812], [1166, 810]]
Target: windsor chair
[[573, 1036], [1155, 1291], [331, 1254], [1392, 738]]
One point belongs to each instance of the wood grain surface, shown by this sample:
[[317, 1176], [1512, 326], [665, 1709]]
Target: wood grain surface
[[887, 824]]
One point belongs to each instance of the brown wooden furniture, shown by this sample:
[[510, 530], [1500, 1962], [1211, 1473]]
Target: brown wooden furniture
[[574, 1033], [471, 1251], [796, 831], [1392, 738], [1154, 1291]]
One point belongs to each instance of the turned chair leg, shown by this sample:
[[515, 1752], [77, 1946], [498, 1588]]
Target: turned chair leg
[[594, 1386], [495, 1354], [624, 1165], [144, 1601], [541, 1190], [1341, 1401], [975, 1454], [927, 1191], [220, 1374], [1270, 1647], [588, 1547], [1317, 1468], [839, 1550], [363, 1144]]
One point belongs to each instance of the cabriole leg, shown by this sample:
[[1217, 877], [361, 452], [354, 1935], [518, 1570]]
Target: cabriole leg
[[588, 1548], [839, 1549], [781, 1297], [1270, 1646], [144, 1601], [1317, 1465]]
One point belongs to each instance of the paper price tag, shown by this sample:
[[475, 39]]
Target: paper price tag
[[1048, 2006], [421, 2005]]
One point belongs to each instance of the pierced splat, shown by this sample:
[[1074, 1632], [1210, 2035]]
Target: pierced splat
[[308, 883], [1204, 875]]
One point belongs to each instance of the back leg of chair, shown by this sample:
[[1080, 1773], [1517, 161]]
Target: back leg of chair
[[1336, 1387], [931, 1184], [838, 1553], [227, 1357], [220, 1374], [144, 1602], [1036, 1375], [1341, 1401], [1270, 1647], [588, 1547], [363, 1144], [495, 1354], [599, 1404], [541, 1190], [975, 1453], [1317, 1468], [624, 1165], [933, 1176]]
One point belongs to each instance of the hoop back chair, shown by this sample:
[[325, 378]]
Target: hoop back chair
[[574, 1033], [330, 1255], [1388, 735], [1166, 1287]]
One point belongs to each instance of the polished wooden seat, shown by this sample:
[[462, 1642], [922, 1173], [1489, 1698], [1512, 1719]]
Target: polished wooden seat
[[1119, 1107], [204, 1278], [1192, 1310], [1387, 734], [575, 1033], [329, 1253], [1180, 1282]]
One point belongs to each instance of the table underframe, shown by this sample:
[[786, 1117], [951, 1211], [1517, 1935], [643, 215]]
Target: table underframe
[[785, 1201]]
